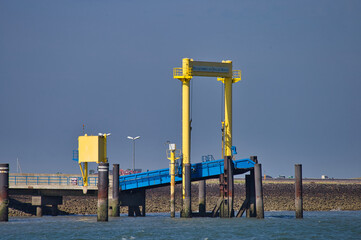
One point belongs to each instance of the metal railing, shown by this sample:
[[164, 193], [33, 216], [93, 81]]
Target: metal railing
[[236, 74], [177, 72], [51, 180]]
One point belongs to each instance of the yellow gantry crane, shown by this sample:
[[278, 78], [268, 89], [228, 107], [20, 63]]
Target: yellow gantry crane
[[224, 73]]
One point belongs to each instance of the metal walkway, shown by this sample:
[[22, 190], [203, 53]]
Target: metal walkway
[[199, 171]]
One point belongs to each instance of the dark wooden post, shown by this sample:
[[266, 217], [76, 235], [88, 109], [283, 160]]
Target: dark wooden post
[[103, 181], [298, 191], [4, 192], [202, 198], [115, 193], [259, 190]]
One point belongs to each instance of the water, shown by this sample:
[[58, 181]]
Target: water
[[276, 225]]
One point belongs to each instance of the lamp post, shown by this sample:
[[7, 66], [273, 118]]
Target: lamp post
[[133, 139]]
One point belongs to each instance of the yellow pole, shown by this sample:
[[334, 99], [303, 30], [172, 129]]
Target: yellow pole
[[186, 149], [85, 178], [186, 174], [228, 116], [172, 183]]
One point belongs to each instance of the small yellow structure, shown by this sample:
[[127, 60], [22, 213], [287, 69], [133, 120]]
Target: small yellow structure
[[91, 149]]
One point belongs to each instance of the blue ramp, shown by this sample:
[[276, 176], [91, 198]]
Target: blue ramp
[[199, 171]]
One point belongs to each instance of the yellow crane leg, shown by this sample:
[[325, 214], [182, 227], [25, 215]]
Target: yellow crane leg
[[228, 116], [186, 211]]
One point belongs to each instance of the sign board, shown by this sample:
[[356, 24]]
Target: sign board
[[210, 69]]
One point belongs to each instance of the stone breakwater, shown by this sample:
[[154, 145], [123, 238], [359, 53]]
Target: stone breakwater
[[278, 196]]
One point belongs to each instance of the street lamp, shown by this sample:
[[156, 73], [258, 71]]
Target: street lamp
[[133, 139]]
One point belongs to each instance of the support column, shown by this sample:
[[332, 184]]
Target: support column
[[103, 181], [4, 192], [115, 193], [39, 211], [228, 116], [259, 190], [248, 195], [202, 198], [54, 210], [186, 184], [298, 191], [252, 191]]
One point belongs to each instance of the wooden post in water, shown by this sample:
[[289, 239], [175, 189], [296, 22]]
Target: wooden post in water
[[103, 181], [252, 192], [259, 190], [4, 192], [115, 193], [298, 191], [202, 198]]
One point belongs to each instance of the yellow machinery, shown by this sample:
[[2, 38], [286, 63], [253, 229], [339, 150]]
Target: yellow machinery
[[91, 149], [224, 72]]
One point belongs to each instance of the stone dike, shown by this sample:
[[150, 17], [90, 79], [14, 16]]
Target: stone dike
[[318, 195]]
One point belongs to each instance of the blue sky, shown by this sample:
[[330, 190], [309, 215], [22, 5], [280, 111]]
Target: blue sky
[[108, 65]]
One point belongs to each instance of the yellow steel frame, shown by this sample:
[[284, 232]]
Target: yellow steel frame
[[223, 71]]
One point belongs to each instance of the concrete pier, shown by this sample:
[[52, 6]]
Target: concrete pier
[[259, 190], [4, 192], [202, 198], [103, 181], [39, 211], [298, 191], [115, 193], [187, 209]]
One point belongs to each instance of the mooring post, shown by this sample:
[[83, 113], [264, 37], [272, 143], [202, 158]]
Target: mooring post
[[202, 198], [248, 195], [103, 181], [252, 191], [298, 191], [115, 193], [4, 192], [259, 190]]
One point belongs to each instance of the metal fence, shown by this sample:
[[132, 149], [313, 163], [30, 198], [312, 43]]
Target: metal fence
[[51, 180]]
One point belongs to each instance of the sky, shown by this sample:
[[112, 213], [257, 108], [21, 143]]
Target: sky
[[108, 65]]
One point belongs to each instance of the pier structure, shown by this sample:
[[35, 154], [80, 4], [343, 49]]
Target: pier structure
[[130, 190]]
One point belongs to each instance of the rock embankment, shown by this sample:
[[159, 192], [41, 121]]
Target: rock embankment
[[277, 197]]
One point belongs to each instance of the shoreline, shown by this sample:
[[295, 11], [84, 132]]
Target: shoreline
[[278, 196]]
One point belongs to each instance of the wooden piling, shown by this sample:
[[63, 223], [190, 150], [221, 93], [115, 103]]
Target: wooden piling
[[298, 191], [103, 181], [259, 190], [4, 192], [202, 198], [115, 192]]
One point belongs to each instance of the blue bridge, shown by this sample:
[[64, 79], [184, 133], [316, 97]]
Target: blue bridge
[[199, 171]]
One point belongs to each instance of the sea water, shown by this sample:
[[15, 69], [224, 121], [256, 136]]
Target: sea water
[[276, 225]]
